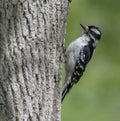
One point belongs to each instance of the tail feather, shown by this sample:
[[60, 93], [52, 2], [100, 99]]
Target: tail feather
[[66, 90], [69, 84]]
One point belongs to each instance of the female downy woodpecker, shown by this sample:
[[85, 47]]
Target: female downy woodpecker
[[78, 54]]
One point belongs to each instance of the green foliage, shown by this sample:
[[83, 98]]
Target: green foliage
[[97, 95]]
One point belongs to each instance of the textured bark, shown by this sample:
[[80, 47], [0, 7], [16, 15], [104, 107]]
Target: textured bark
[[31, 45]]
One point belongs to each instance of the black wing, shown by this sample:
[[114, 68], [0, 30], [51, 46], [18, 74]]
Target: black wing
[[84, 58]]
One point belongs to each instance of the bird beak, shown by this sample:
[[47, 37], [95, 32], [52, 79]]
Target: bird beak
[[85, 28]]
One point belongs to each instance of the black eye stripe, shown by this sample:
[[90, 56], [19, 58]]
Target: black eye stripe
[[95, 32], [92, 32], [97, 36]]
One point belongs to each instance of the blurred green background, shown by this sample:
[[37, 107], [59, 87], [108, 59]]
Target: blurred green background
[[96, 97]]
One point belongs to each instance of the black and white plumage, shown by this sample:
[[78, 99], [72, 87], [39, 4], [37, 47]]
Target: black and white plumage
[[78, 54]]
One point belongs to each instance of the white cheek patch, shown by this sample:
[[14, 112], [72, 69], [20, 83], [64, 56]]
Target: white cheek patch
[[96, 31]]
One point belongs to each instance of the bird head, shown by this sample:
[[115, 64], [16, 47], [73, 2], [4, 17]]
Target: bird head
[[92, 31]]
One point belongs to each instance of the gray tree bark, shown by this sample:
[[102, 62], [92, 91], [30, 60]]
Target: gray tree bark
[[31, 46]]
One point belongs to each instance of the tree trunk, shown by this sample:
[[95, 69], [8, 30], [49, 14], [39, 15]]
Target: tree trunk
[[31, 45]]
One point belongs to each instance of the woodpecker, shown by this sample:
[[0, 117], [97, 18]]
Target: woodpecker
[[78, 55]]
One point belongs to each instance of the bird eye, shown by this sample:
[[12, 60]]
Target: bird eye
[[92, 32]]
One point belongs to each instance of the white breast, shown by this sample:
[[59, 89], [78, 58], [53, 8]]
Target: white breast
[[72, 52]]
